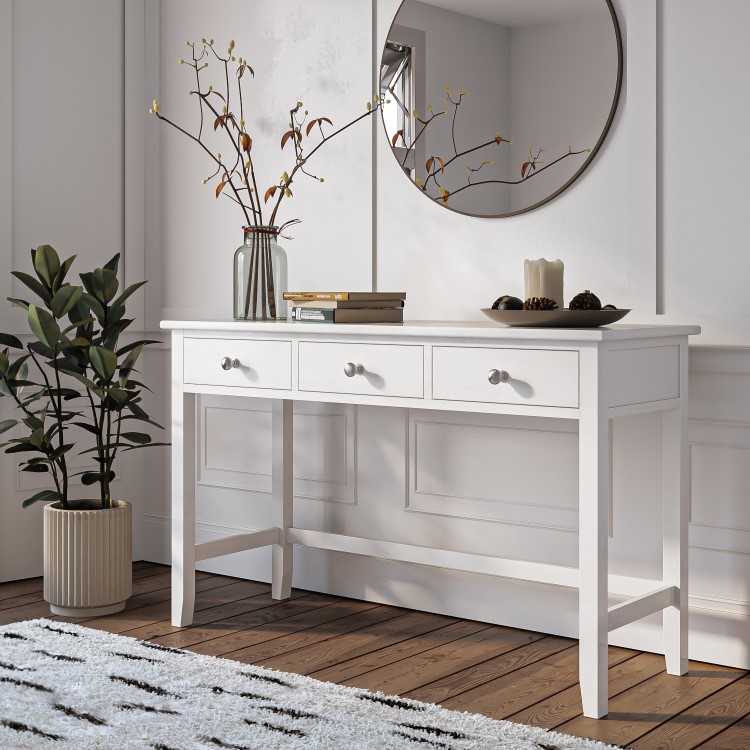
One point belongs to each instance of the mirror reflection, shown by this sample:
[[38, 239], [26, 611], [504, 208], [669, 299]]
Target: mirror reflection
[[493, 107]]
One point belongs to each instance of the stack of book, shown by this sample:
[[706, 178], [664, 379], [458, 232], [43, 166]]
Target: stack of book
[[347, 307]]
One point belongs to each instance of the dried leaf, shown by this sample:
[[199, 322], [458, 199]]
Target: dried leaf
[[442, 164], [498, 139], [221, 96], [286, 137], [428, 165], [325, 119], [218, 121], [270, 193], [220, 187], [247, 142], [524, 169], [395, 137], [310, 126], [298, 135]]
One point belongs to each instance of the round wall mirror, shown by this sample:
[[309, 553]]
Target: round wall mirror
[[494, 107]]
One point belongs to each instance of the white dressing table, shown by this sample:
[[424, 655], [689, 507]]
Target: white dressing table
[[589, 375]]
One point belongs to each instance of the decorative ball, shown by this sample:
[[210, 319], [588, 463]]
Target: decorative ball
[[506, 302], [586, 300], [540, 303], [609, 307]]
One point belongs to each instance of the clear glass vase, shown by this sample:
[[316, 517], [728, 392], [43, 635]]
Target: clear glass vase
[[260, 276]]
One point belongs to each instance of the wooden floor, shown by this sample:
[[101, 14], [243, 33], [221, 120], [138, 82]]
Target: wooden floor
[[469, 666]]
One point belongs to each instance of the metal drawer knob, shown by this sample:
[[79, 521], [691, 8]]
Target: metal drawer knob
[[227, 363], [350, 369], [498, 376]]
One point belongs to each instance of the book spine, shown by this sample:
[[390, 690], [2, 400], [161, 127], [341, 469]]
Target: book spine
[[313, 314], [306, 296]]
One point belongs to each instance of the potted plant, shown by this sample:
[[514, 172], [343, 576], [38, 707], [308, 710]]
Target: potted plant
[[71, 381]]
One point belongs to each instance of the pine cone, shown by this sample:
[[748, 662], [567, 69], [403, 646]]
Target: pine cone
[[540, 303], [586, 300]]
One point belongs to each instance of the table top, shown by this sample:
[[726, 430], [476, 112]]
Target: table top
[[423, 329]]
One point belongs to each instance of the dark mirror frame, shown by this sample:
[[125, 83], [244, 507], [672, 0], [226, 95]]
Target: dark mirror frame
[[584, 166]]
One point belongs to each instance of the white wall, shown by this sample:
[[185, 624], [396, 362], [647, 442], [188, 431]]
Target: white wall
[[633, 229]]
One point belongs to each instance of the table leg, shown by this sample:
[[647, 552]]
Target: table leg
[[183, 506], [675, 559], [281, 491], [593, 510]]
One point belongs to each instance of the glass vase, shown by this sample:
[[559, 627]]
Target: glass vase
[[260, 276]]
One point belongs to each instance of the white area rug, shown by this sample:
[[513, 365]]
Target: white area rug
[[65, 686]]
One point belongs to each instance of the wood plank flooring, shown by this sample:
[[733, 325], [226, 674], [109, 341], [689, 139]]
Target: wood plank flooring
[[501, 672]]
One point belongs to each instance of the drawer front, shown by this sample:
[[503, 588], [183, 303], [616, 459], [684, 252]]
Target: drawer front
[[536, 377], [262, 364], [388, 369]]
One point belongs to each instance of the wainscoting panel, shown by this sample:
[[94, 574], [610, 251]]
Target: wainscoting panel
[[466, 466], [234, 447]]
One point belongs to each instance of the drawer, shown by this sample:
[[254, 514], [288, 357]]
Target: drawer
[[388, 369], [536, 377], [262, 364]]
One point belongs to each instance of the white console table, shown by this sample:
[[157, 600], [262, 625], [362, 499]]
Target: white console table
[[589, 375]]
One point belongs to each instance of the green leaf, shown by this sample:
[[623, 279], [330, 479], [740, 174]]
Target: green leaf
[[4, 363], [19, 302], [36, 468], [130, 347], [94, 305], [7, 424], [65, 300], [92, 477], [6, 339], [129, 362], [43, 496], [64, 268], [136, 437], [105, 285], [86, 426], [34, 285], [113, 263], [90, 384], [148, 445], [46, 263], [23, 447], [104, 362], [130, 290], [44, 326]]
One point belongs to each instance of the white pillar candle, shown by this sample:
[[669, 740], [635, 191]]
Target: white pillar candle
[[544, 278]]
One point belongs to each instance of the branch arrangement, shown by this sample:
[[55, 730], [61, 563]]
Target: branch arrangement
[[435, 166], [236, 176]]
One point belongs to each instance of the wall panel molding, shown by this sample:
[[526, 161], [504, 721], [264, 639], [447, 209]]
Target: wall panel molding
[[234, 447], [435, 438]]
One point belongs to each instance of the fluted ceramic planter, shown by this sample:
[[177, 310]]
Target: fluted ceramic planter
[[87, 558]]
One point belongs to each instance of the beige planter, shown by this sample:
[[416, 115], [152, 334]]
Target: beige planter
[[87, 559]]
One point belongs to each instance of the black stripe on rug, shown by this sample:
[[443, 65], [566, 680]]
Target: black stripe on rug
[[291, 712], [250, 696], [68, 711], [155, 689], [392, 702], [548, 747], [60, 631], [59, 657], [164, 648], [24, 683], [424, 740], [15, 636], [148, 709], [161, 746], [220, 743], [14, 668], [267, 678], [439, 732], [133, 657], [19, 727], [275, 728]]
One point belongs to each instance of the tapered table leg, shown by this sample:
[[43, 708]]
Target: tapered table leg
[[675, 556], [183, 505], [281, 490], [593, 516]]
